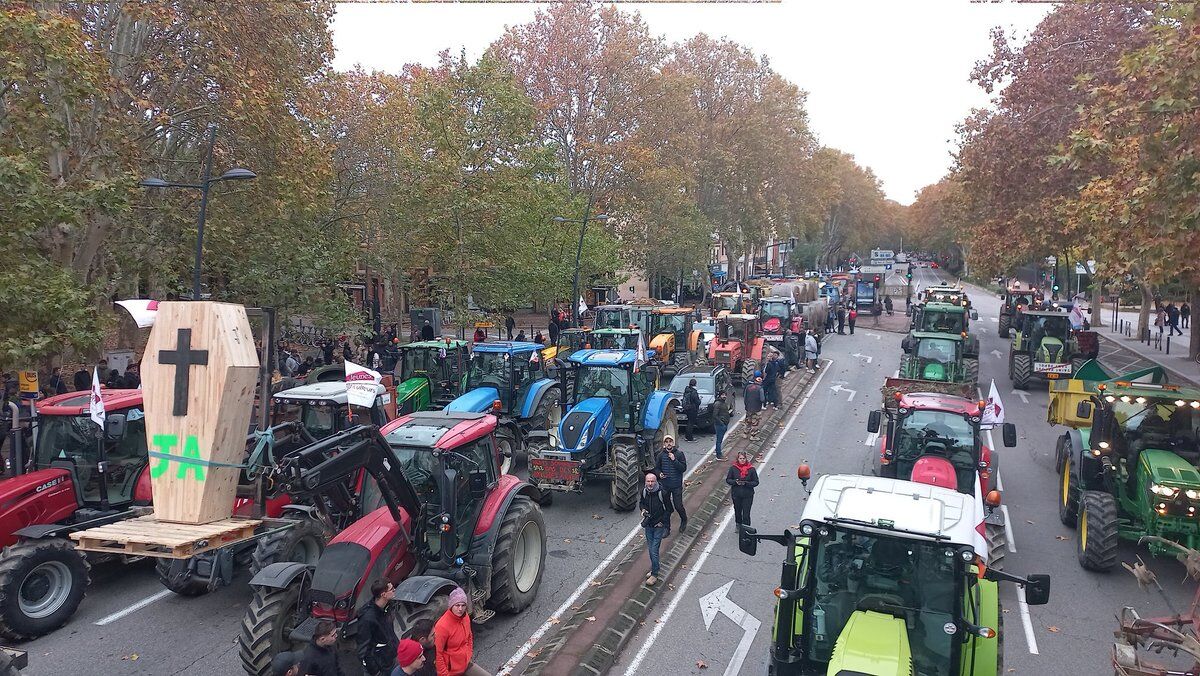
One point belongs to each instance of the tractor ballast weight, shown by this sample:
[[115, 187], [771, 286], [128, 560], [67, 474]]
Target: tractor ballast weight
[[612, 429], [738, 346]]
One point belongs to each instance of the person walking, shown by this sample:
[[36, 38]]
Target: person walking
[[811, 350], [1173, 319], [753, 396], [553, 330], [410, 658], [770, 376], [57, 384], [829, 320], [742, 479], [1185, 314], [509, 324], [656, 522], [671, 465], [320, 657], [841, 319], [376, 635], [887, 306], [721, 416], [1160, 320], [852, 317], [691, 408], [453, 640]]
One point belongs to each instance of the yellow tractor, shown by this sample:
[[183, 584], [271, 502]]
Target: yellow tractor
[[673, 338]]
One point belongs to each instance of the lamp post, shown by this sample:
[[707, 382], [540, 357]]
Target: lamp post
[[578, 254], [203, 186]]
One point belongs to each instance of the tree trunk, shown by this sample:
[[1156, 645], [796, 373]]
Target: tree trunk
[[1147, 305], [1194, 330]]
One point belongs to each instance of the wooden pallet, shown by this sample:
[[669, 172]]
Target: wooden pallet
[[147, 536]]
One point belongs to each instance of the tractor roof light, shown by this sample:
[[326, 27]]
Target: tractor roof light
[[1103, 445], [967, 555], [1195, 404], [1102, 387], [1179, 403], [496, 405], [1126, 399], [1110, 399], [1140, 400]]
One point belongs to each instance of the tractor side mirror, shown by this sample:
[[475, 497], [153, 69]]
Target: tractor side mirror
[[747, 542], [479, 483], [974, 316], [1009, 433], [1037, 590], [114, 427], [873, 420], [1083, 410]]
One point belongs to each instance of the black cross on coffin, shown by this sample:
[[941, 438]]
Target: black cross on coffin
[[183, 357]]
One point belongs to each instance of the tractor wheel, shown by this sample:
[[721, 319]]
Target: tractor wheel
[[547, 413], [507, 445], [971, 369], [1097, 537], [680, 361], [997, 544], [1068, 492], [302, 543], [669, 425], [1005, 325], [405, 616], [749, 366], [627, 478], [905, 364], [175, 574], [271, 617], [41, 585], [1020, 370], [519, 557]]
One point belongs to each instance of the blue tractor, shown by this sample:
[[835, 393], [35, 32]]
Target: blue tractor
[[508, 380], [615, 422]]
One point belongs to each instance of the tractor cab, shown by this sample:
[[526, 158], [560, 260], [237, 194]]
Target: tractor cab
[[612, 317], [886, 577], [626, 338], [738, 345], [934, 356], [725, 302], [782, 324], [1044, 345], [945, 294], [431, 373], [672, 336], [320, 409], [569, 340], [942, 317], [510, 368]]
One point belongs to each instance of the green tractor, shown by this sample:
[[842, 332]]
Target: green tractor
[[886, 577], [1045, 346], [947, 318], [431, 374], [1128, 465], [938, 357]]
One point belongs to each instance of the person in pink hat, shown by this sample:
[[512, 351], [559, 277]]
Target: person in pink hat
[[453, 640]]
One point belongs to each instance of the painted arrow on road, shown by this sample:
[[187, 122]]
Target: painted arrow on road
[[839, 388], [998, 353], [716, 603], [876, 336], [868, 357], [1024, 396], [995, 319]]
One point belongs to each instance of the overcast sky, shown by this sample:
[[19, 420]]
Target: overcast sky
[[886, 80]]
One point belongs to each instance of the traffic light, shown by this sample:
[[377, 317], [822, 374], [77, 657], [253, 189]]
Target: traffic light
[[876, 281], [908, 275]]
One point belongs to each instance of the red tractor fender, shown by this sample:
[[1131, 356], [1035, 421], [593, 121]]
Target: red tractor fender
[[935, 471], [143, 493], [491, 514], [38, 498], [756, 348]]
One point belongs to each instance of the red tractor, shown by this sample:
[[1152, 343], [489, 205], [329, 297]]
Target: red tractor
[[738, 346], [449, 518], [936, 439]]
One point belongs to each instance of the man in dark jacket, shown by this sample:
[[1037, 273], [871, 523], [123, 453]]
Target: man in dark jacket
[[83, 380], [691, 408], [57, 384], [320, 655], [671, 465], [655, 521], [509, 325], [554, 331], [376, 636], [753, 395], [327, 351], [841, 319], [770, 386], [721, 416]]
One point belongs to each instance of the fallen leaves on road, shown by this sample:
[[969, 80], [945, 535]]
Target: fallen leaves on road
[[576, 607], [1053, 629], [1060, 537], [596, 583], [534, 653], [597, 517], [554, 620], [131, 658], [602, 541], [701, 664], [590, 618], [1028, 522]]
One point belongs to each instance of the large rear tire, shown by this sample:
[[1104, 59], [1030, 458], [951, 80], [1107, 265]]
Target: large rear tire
[[41, 585], [1005, 325], [971, 369], [1097, 538], [302, 543], [627, 473], [669, 425], [681, 360], [905, 365], [548, 411], [406, 615], [519, 557], [270, 618], [1020, 370], [749, 366], [997, 543], [1068, 491], [535, 449]]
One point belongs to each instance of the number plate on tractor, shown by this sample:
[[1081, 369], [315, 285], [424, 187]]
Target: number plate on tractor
[[773, 338], [554, 470], [1044, 367]]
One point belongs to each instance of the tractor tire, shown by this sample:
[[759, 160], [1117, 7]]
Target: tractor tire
[[680, 361], [1068, 492], [971, 370], [506, 445], [405, 616], [749, 366], [627, 478], [518, 558], [669, 425], [1020, 370], [302, 543], [1096, 541], [1005, 325], [997, 544], [905, 364], [547, 413], [265, 628], [41, 585], [175, 576]]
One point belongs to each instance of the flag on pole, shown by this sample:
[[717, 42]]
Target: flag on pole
[[993, 412], [641, 352], [143, 311], [96, 405], [361, 385], [582, 306]]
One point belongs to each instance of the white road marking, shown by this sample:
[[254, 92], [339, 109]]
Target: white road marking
[[587, 581], [717, 602], [876, 336], [872, 439], [839, 388], [681, 591], [1022, 394], [998, 353], [995, 319], [134, 608], [1026, 620], [868, 357]]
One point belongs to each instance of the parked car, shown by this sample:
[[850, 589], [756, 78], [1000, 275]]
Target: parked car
[[709, 381]]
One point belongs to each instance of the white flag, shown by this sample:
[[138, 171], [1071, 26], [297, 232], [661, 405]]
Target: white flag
[[1076, 316], [993, 412], [582, 306], [361, 385], [97, 403], [641, 351], [143, 311]]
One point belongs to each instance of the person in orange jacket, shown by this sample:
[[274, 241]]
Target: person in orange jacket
[[454, 641]]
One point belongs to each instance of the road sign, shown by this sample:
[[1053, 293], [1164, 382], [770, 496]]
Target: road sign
[[28, 381], [873, 269]]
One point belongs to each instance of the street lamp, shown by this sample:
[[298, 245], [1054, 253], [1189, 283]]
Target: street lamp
[[236, 174], [578, 254]]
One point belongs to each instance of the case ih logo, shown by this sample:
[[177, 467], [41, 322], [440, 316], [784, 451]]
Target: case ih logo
[[49, 484]]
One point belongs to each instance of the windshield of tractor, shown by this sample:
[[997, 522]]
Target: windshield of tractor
[[609, 382], [937, 433], [727, 302], [573, 340], [640, 318], [777, 310], [672, 323], [321, 420], [489, 369], [611, 318], [1055, 326], [420, 361], [1159, 423], [73, 439], [914, 580], [936, 350], [941, 321], [617, 341]]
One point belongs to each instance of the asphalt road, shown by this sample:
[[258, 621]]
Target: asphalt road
[[1070, 635], [128, 624]]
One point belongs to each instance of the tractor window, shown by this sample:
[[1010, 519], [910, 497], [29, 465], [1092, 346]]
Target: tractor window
[[1055, 326], [490, 369], [610, 319], [670, 323], [74, 439], [779, 311], [421, 470], [941, 433], [419, 361], [913, 580], [943, 322], [940, 351], [320, 420], [608, 382]]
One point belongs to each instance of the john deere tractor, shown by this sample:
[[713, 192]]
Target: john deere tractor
[[938, 357], [1128, 467], [672, 337], [431, 374], [1045, 346], [615, 423], [887, 577]]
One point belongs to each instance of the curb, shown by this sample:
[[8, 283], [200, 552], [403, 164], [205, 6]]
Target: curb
[[608, 640]]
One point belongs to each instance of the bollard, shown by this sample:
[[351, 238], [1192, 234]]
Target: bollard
[[1168, 345]]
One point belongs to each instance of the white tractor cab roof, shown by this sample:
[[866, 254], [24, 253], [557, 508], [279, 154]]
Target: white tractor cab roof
[[902, 507], [333, 392]]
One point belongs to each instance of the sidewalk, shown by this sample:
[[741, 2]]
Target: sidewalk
[[1176, 363]]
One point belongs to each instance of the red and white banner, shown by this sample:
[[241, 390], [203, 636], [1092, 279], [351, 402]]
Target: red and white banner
[[993, 412], [362, 384], [143, 311], [96, 403]]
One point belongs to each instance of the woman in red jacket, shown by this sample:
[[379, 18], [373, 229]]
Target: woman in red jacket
[[453, 639]]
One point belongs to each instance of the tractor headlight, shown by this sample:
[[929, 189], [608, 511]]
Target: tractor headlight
[[806, 529], [1192, 494], [583, 440], [1164, 491]]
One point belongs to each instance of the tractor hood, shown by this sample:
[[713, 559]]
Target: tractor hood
[[872, 643], [478, 400], [1165, 466], [1051, 351], [584, 423], [934, 371], [773, 325], [409, 388]]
